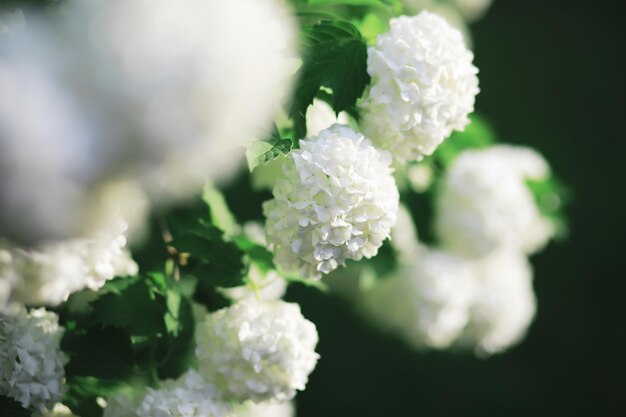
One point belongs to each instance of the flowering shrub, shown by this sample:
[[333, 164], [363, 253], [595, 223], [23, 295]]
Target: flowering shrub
[[128, 288]]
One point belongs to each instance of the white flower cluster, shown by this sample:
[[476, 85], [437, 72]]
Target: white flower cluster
[[190, 396], [484, 203], [504, 303], [423, 86], [337, 201], [257, 350], [50, 273], [161, 92], [477, 290], [58, 410], [426, 302], [444, 299], [470, 10], [31, 361], [269, 409]]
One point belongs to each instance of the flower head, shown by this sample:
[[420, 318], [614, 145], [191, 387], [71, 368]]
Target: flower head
[[257, 350], [31, 361], [485, 204], [423, 86], [338, 200]]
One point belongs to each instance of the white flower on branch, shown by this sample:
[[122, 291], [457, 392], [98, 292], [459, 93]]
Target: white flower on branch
[[337, 201], [31, 361], [484, 202], [423, 86], [257, 350]]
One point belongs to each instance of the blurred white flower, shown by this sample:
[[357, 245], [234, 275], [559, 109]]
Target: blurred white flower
[[189, 396], [423, 86], [121, 405], [268, 409], [470, 10], [320, 116], [151, 90], [504, 305], [48, 274], [11, 21], [257, 350], [484, 202], [404, 236], [338, 200], [31, 361], [58, 410], [427, 303]]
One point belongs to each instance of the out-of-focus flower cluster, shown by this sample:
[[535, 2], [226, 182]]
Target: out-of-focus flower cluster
[[48, 274], [154, 91], [475, 290]]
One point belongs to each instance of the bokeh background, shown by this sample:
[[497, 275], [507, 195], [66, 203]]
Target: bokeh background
[[552, 77]]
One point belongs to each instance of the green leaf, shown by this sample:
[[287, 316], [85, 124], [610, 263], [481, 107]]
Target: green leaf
[[308, 282], [221, 216], [11, 408], [180, 355], [260, 152], [138, 309], [210, 298], [101, 352], [335, 56], [213, 260]]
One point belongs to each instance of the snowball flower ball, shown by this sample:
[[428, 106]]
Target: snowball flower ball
[[426, 303], [504, 305], [268, 409], [423, 86], [189, 396], [257, 350], [484, 202], [31, 361], [338, 200]]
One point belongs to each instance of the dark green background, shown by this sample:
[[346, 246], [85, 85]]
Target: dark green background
[[552, 77]]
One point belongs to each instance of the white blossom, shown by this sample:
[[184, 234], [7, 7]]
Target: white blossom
[[484, 202], [267, 409], [426, 303], [157, 91], [470, 10], [189, 396], [504, 305], [50, 273], [423, 86], [264, 284], [320, 116], [257, 350], [404, 236], [31, 361], [337, 201]]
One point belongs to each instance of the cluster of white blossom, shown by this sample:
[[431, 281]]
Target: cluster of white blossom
[[444, 299], [58, 410], [31, 361], [426, 302], [189, 396], [470, 10], [484, 202], [48, 274], [476, 291], [337, 201], [423, 86], [257, 350], [158, 91]]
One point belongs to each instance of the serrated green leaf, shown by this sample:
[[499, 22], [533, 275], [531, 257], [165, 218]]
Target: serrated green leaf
[[121, 309], [335, 57]]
